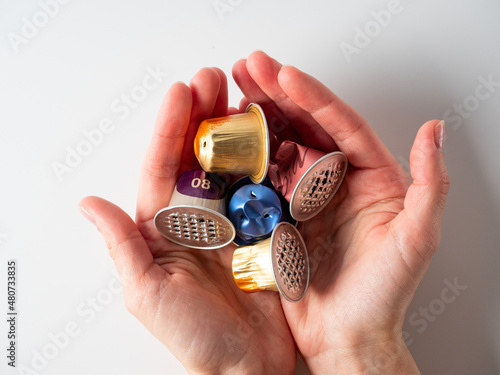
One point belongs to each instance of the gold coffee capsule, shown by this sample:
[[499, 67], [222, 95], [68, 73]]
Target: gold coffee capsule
[[279, 263], [236, 144], [195, 216]]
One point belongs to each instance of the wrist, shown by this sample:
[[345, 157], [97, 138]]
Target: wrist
[[254, 368], [387, 356]]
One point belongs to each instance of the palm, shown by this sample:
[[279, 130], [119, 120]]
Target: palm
[[352, 266], [215, 316]]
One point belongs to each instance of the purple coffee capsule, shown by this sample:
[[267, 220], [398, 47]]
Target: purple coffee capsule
[[195, 216]]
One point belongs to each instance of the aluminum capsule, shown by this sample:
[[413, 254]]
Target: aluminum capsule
[[195, 216], [235, 144], [279, 263], [254, 210], [307, 178]]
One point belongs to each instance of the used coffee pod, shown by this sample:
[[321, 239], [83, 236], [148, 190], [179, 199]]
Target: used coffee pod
[[307, 178], [279, 263], [254, 210], [285, 206], [235, 144], [195, 216]]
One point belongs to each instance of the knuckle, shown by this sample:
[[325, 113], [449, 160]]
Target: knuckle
[[445, 182], [444, 187]]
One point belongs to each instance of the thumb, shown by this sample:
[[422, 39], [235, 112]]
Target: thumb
[[125, 242], [418, 226]]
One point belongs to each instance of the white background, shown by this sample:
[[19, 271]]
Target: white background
[[430, 56]]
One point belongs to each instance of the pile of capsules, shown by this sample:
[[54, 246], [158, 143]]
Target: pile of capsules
[[285, 183]]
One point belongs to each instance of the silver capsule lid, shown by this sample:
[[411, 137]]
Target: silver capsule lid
[[290, 262], [318, 185], [195, 227]]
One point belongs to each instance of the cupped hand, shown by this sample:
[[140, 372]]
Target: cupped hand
[[187, 298], [370, 247]]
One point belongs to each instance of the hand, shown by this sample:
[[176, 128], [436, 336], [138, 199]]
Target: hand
[[187, 298], [370, 247]]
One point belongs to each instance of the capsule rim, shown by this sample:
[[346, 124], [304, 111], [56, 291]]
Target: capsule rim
[[199, 209], [262, 173], [272, 249], [293, 211]]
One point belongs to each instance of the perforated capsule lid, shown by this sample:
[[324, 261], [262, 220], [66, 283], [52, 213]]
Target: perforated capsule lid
[[196, 227], [290, 262], [318, 186]]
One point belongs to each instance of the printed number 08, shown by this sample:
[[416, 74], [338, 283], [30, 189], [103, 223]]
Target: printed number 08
[[205, 184]]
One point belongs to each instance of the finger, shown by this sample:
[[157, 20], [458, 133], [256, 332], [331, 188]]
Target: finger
[[350, 131], [127, 247], [276, 121], [264, 71], [233, 111], [418, 225], [220, 107], [244, 102], [205, 89], [161, 162]]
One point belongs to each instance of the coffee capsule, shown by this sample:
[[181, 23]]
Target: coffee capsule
[[279, 263], [195, 216], [307, 178], [285, 206], [235, 144], [254, 210]]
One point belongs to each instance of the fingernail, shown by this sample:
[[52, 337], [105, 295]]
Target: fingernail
[[439, 134], [87, 213]]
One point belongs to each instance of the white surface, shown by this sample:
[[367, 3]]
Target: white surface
[[65, 79]]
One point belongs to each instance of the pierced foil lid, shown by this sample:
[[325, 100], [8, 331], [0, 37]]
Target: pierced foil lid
[[290, 262], [196, 227], [279, 264], [196, 215], [318, 185]]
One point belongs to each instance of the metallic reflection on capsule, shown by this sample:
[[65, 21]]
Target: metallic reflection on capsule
[[235, 144], [254, 210], [279, 263]]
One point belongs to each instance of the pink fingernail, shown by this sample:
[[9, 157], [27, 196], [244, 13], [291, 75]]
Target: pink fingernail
[[89, 215], [439, 134]]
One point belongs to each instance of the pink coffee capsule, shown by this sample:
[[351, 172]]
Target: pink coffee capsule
[[306, 177]]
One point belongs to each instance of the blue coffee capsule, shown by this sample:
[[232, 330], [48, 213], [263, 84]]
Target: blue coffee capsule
[[285, 206], [254, 210]]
